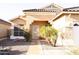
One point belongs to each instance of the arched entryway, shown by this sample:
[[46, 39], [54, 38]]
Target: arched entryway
[[35, 28]]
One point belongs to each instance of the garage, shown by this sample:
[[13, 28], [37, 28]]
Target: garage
[[4, 29], [76, 33]]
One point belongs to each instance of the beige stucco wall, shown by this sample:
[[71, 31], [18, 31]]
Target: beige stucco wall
[[75, 17], [39, 23], [65, 24], [59, 23], [31, 17], [4, 28], [65, 20], [62, 25], [39, 13], [39, 16], [36, 16], [19, 22], [71, 19], [26, 22]]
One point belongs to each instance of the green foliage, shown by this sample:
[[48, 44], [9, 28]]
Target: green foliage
[[43, 31], [52, 32], [48, 31], [27, 36]]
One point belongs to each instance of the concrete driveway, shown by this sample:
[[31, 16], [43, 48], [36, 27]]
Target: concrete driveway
[[42, 47], [36, 47]]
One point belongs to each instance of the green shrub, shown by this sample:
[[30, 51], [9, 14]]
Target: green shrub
[[49, 32], [43, 32], [52, 34], [27, 36]]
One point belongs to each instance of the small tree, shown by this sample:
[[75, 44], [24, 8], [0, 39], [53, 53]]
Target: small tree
[[49, 32], [52, 34]]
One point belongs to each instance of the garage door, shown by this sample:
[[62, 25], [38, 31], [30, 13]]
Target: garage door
[[76, 33]]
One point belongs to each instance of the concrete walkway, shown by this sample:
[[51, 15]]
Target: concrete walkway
[[34, 48], [41, 47]]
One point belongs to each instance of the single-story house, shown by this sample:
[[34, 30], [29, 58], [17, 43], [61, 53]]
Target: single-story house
[[33, 19], [4, 29], [67, 22]]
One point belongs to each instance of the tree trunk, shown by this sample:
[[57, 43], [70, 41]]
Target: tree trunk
[[55, 43]]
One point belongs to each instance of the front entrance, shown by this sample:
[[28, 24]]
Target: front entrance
[[35, 31], [35, 28]]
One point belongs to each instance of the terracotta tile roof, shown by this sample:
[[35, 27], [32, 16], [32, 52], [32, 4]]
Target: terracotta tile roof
[[4, 22], [50, 8], [36, 10], [72, 9]]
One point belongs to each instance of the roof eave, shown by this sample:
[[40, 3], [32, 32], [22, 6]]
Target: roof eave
[[62, 13]]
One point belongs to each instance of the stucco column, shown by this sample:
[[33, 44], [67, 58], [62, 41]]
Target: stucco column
[[12, 30], [27, 26], [29, 21], [59, 40]]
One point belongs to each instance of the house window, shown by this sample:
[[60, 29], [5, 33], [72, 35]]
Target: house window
[[18, 32]]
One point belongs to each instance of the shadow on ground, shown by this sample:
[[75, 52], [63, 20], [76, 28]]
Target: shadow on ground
[[16, 47]]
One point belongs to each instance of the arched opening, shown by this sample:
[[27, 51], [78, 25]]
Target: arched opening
[[76, 24]]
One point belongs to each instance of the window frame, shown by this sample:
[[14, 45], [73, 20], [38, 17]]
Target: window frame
[[18, 32]]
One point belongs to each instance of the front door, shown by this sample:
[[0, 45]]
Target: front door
[[35, 31]]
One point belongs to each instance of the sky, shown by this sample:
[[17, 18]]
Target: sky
[[12, 8]]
